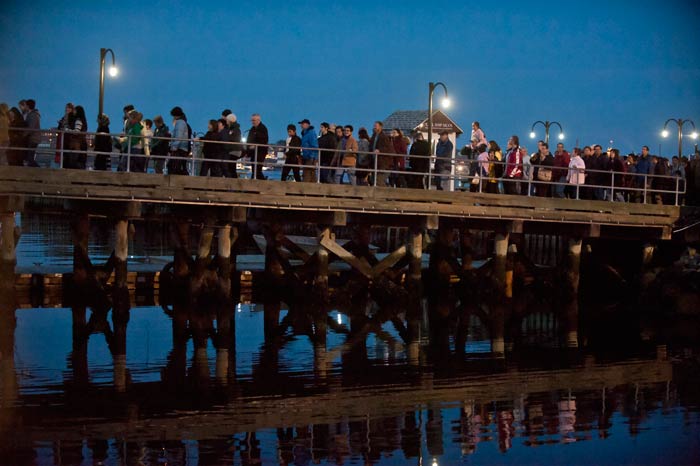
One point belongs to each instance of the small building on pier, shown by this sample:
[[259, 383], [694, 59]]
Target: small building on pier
[[410, 121]]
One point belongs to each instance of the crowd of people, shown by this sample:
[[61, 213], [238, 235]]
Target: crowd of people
[[336, 155]]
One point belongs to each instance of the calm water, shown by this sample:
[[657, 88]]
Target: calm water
[[270, 383]]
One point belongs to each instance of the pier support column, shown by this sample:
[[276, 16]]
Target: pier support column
[[120, 319], [498, 309], [9, 236], [573, 268], [121, 252], [274, 269], [321, 279], [415, 252], [224, 265]]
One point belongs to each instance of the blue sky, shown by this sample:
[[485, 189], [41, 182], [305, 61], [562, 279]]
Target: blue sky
[[604, 69]]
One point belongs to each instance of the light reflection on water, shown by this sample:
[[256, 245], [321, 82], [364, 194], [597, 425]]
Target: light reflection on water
[[645, 421]]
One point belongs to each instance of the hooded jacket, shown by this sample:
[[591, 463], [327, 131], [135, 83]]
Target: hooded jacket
[[308, 141], [34, 123]]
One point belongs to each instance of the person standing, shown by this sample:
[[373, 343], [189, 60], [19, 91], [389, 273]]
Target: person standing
[[292, 157], [211, 150], [496, 168], [478, 137], [400, 149], [77, 158], [560, 172], [382, 147], [329, 142], [514, 166], [33, 119], [348, 156], [103, 145], [133, 144], [444, 151], [179, 146], [4, 132], [364, 157], [643, 182], [309, 142], [257, 134], [233, 151], [542, 163], [576, 175], [17, 136], [419, 161], [159, 147]]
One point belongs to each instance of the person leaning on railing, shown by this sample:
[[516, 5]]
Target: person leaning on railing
[[4, 132], [444, 150], [514, 166], [364, 158], [17, 135]]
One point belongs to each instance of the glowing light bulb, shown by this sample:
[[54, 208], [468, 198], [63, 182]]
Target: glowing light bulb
[[532, 135], [113, 71], [561, 136], [694, 135], [446, 102], [664, 133]]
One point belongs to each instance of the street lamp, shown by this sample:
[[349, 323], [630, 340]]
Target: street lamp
[[547, 124], [445, 103], [679, 122], [113, 71]]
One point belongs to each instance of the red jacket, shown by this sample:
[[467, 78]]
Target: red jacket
[[514, 163], [561, 165]]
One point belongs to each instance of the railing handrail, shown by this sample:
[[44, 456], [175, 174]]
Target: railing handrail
[[454, 159]]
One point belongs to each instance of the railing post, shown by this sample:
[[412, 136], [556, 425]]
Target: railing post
[[529, 184], [645, 189], [254, 166], [612, 187], [577, 188], [677, 188], [430, 170], [376, 174], [63, 144], [318, 166], [128, 153]]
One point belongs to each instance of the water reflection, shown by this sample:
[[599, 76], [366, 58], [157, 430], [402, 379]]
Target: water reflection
[[307, 382]]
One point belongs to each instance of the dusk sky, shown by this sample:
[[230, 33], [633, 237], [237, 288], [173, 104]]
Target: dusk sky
[[604, 69]]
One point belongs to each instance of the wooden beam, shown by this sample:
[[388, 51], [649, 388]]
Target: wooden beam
[[360, 265], [388, 262]]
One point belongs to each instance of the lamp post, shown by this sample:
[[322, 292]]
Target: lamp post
[[679, 122], [112, 72], [445, 104], [547, 124]]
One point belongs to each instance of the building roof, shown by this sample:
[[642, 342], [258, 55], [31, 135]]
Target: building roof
[[410, 120]]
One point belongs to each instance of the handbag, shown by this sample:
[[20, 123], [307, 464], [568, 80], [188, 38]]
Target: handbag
[[544, 174]]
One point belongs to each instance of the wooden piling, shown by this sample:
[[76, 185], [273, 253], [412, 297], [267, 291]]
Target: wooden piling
[[121, 252]]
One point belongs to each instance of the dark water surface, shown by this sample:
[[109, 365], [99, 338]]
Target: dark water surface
[[252, 383]]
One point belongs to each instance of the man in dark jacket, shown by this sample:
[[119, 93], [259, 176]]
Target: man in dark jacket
[[230, 153], [257, 134], [33, 119], [292, 155], [418, 166], [329, 142], [381, 145], [444, 150]]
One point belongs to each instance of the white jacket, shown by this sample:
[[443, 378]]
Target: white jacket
[[576, 174]]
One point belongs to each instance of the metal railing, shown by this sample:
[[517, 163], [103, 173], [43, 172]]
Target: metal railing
[[446, 173]]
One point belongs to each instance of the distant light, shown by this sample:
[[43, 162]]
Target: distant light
[[664, 133], [113, 71], [532, 135], [446, 103], [694, 135], [561, 136], [340, 318], [435, 463], [244, 139]]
